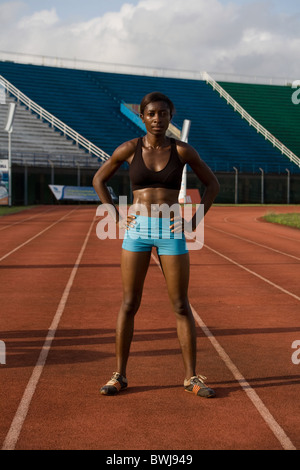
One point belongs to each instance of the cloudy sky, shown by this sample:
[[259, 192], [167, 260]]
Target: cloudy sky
[[247, 37]]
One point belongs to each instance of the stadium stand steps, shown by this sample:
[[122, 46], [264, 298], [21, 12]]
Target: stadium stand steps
[[89, 102], [35, 141]]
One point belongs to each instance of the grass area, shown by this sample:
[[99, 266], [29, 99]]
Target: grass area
[[291, 220], [5, 210]]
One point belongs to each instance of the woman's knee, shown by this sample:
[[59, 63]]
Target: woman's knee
[[181, 307], [130, 305]]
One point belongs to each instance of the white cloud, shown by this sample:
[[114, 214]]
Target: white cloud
[[252, 38], [39, 20]]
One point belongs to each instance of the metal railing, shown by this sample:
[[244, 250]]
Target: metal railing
[[237, 107], [84, 64], [43, 159], [98, 152], [55, 123]]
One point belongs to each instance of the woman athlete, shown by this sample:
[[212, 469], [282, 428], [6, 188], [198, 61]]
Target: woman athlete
[[156, 165]]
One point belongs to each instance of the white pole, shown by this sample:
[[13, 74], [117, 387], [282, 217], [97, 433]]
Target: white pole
[[9, 128], [9, 168], [184, 138]]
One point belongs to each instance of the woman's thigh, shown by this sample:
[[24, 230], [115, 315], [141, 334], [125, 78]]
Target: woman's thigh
[[134, 266], [176, 270]]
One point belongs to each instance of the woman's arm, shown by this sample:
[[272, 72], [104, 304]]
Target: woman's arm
[[108, 169], [191, 157]]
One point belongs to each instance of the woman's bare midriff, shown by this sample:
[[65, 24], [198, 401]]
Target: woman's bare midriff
[[155, 202]]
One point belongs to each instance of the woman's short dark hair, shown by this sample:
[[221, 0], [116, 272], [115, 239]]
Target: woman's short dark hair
[[156, 96]]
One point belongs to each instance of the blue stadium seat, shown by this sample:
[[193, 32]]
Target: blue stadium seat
[[89, 102]]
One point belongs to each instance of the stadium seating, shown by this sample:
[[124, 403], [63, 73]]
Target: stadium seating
[[89, 102], [34, 143], [272, 107]]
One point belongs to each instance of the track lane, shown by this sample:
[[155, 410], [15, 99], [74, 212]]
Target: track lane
[[18, 236], [33, 279], [260, 243], [21, 413], [274, 312], [18, 218], [252, 227], [250, 221], [270, 267], [256, 324], [271, 257], [82, 358]]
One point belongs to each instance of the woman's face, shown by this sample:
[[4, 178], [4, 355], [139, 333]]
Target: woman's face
[[157, 117]]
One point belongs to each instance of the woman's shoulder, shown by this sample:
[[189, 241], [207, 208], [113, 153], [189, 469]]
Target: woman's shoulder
[[126, 149], [185, 150]]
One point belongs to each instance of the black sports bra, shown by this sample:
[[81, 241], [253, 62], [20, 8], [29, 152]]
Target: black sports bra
[[169, 177]]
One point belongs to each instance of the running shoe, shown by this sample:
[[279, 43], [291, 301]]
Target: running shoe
[[197, 386], [114, 385]]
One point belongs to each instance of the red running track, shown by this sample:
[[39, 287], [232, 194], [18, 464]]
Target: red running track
[[61, 291]]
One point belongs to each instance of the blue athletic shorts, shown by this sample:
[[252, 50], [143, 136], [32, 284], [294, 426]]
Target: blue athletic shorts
[[155, 232]]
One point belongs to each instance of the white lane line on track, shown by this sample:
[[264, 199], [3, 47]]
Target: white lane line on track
[[251, 241], [18, 222], [21, 413], [254, 273], [256, 219], [35, 236], [277, 430], [269, 419]]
